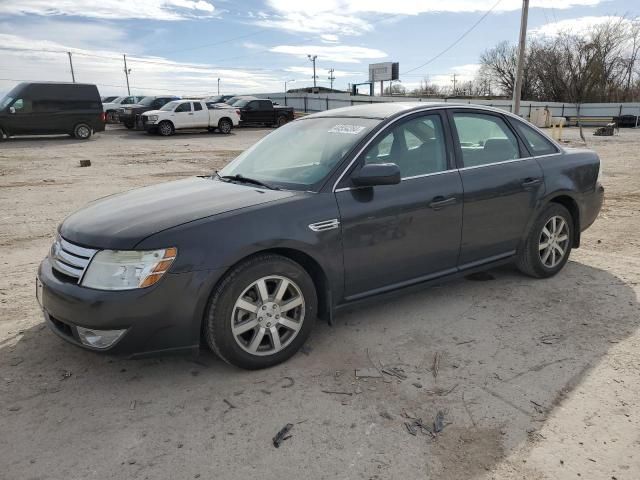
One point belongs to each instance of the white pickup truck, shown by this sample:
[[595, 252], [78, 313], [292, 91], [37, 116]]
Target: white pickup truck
[[189, 115]]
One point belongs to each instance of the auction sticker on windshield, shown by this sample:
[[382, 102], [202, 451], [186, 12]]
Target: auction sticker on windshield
[[349, 129]]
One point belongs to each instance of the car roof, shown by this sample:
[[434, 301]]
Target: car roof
[[383, 110]]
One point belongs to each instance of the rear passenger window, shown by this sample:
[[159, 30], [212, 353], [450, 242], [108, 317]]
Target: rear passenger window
[[197, 106], [184, 107], [538, 145], [485, 139], [417, 146]]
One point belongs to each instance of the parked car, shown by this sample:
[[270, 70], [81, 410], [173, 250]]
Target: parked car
[[233, 100], [196, 114], [111, 108], [46, 108], [128, 115], [265, 112], [331, 209], [218, 98]]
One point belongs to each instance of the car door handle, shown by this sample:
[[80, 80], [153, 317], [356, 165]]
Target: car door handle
[[531, 182], [440, 202]]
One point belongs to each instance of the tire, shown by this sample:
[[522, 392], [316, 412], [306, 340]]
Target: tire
[[539, 262], [111, 116], [82, 131], [282, 120], [129, 125], [3, 136], [243, 349], [165, 128], [225, 126]]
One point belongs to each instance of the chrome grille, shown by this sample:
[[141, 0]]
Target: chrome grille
[[70, 259]]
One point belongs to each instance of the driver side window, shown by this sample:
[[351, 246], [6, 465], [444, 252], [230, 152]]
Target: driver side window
[[416, 146], [22, 106], [183, 107]]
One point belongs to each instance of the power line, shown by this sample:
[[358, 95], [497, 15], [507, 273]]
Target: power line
[[456, 41]]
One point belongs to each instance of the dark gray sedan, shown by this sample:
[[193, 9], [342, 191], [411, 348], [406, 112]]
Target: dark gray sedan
[[330, 209]]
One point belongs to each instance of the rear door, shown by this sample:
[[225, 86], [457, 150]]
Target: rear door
[[200, 116], [395, 235], [502, 185]]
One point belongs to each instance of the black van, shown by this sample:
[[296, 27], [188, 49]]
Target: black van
[[44, 108]]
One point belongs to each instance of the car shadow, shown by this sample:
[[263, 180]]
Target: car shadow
[[497, 354]]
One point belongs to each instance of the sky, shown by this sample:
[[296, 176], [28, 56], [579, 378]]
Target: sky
[[253, 46]]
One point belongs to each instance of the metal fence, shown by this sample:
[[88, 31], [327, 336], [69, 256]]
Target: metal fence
[[593, 113]]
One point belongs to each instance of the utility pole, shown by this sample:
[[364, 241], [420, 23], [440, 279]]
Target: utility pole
[[312, 58], [127, 71], [331, 77], [73, 75], [454, 83], [218, 86], [517, 88]]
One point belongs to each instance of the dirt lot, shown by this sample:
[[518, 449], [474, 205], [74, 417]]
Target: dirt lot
[[536, 379]]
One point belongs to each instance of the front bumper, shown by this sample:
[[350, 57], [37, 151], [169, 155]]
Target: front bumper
[[127, 118], [160, 319]]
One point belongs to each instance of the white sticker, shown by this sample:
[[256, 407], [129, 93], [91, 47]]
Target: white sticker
[[348, 129]]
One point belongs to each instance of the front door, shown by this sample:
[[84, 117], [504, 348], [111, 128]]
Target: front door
[[502, 185], [394, 235], [183, 115]]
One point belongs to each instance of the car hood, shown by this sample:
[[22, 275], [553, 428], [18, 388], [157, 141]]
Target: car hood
[[121, 221], [155, 112]]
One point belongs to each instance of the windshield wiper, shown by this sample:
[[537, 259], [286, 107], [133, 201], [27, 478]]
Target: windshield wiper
[[238, 177]]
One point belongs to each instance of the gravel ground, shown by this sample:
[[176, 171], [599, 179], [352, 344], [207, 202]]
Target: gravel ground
[[536, 379]]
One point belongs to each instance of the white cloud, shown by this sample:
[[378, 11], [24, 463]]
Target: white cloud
[[348, 17], [323, 72], [464, 73], [337, 53], [110, 9], [149, 75], [329, 38], [574, 25]]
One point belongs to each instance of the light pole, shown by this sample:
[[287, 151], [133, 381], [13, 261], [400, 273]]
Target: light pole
[[127, 71], [312, 58], [218, 86], [285, 84], [331, 77]]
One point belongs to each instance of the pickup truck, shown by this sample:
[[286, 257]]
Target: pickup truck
[[261, 111], [190, 114], [129, 116]]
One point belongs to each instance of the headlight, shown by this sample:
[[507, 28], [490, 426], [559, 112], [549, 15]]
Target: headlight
[[126, 270], [152, 118]]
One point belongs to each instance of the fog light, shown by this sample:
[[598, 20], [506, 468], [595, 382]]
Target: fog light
[[99, 338]]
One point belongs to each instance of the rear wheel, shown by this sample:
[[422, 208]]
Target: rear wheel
[[548, 245], [225, 126], [82, 131], [165, 128], [261, 313], [282, 120]]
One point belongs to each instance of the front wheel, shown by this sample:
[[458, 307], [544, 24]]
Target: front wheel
[[548, 245], [82, 131], [261, 313], [165, 128], [225, 126]]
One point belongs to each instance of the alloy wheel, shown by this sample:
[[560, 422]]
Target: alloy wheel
[[83, 131], [554, 241], [268, 315]]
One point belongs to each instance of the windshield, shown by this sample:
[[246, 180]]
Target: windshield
[[241, 103], [302, 153], [169, 107], [146, 101], [108, 99]]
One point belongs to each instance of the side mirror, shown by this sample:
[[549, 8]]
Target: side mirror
[[12, 109], [376, 174]]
